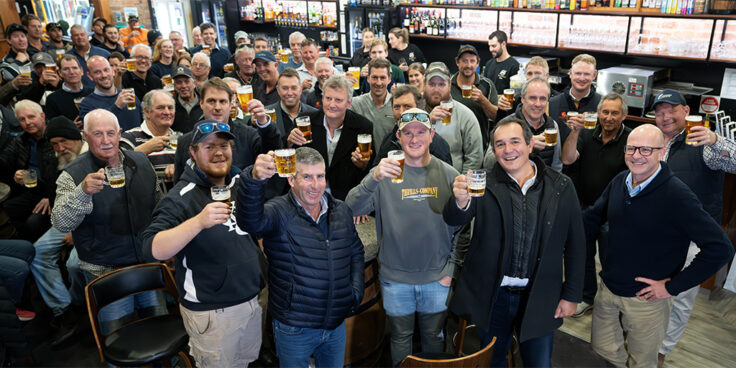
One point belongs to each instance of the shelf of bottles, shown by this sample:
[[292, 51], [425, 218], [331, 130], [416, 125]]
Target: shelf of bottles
[[291, 13], [425, 21], [671, 37], [593, 32], [322, 14], [724, 41], [470, 24], [649, 6], [529, 28]]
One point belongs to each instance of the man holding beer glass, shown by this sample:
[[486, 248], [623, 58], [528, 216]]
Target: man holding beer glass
[[580, 96], [415, 203], [376, 105], [62, 101], [600, 154], [140, 79], [334, 130], [528, 230], [290, 105], [186, 224], [267, 69], [316, 257], [107, 97]]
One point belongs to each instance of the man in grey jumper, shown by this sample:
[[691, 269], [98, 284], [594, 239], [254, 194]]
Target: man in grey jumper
[[416, 249]]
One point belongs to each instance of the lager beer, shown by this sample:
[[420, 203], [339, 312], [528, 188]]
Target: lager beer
[[220, 194], [183, 51], [286, 162], [115, 176], [205, 47], [571, 114], [130, 64], [170, 88], [550, 136], [364, 146], [271, 113], [59, 54], [245, 94], [477, 183], [398, 155], [30, 180], [691, 121], [356, 74], [508, 94], [51, 67], [285, 56], [305, 126], [229, 67], [447, 119], [173, 140], [25, 70], [467, 91], [590, 120], [167, 80], [131, 105], [78, 101]]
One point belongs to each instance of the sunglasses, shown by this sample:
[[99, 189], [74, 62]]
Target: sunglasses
[[421, 117], [209, 127]]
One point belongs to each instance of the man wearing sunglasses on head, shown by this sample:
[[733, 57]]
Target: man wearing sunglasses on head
[[215, 99], [416, 267], [653, 216]]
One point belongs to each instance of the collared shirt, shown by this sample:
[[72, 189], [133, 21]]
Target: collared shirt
[[323, 208], [189, 105], [331, 141], [66, 88], [515, 281], [382, 117], [579, 99], [636, 190], [718, 156]]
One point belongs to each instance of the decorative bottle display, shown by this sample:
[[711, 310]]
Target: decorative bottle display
[[426, 21]]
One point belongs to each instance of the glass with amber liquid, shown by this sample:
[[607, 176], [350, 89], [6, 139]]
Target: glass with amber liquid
[[590, 121], [229, 67], [550, 136], [364, 146], [467, 91], [690, 122], [398, 155], [130, 65], [115, 176], [285, 162], [131, 105], [447, 119], [30, 179], [476, 183], [245, 94], [305, 126], [220, 194], [272, 114], [355, 71], [167, 80], [51, 67]]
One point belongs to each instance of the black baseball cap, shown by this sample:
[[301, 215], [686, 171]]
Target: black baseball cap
[[133, 17], [670, 96], [467, 48], [53, 25], [208, 127], [182, 71], [15, 27]]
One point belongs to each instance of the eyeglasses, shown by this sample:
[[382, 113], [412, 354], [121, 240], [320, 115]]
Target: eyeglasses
[[141, 57], [643, 150], [421, 117], [208, 127]]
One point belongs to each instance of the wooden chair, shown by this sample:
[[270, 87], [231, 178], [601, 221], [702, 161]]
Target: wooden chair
[[365, 329], [481, 358], [146, 340]]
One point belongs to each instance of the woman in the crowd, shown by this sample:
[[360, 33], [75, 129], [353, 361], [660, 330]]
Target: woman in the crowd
[[164, 58], [184, 60], [416, 79], [362, 56], [402, 53]]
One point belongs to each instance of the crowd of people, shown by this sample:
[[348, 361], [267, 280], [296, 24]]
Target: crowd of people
[[249, 172]]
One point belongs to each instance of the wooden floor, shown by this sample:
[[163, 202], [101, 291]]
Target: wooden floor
[[708, 340]]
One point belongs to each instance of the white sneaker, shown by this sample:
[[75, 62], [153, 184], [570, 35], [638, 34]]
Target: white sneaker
[[582, 308]]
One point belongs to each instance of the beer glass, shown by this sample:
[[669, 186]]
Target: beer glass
[[205, 47], [356, 74], [115, 175], [131, 105], [174, 140], [245, 94], [286, 162], [167, 80], [130, 64], [571, 114], [182, 52], [59, 54], [271, 113], [220, 194], [30, 179], [476, 183], [398, 155], [550, 136], [364, 146], [590, 121], [305, 126], [447, 119], [229, 67], [691, 121], [285, 56], [508, 94], [170, 88], [25, 70], [467, 91], [78, 101], [51, 67]]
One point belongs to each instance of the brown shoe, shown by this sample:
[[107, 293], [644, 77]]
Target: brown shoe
[[660, 360]]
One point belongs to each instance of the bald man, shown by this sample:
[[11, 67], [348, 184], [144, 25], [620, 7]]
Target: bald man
[[641, 268], [107, 97]]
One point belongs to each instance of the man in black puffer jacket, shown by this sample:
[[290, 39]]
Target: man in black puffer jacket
[[315, 258]]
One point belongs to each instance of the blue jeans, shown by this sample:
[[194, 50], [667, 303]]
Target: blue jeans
[[119, 312], [15, 256], [48, 276], [294, 345], [402, 299], [505, 318]]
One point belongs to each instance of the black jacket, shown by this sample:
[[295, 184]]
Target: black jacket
[[10, 127], [16, 155], [342, 174], [315, 277], [559, 106], [222, 275], [438, 147], [561, 242], [184, 121]]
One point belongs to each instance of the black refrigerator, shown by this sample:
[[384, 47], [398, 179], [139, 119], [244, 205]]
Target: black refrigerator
[[379, 18], [223, 14]]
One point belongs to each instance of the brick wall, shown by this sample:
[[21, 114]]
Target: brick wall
[[143, 10]]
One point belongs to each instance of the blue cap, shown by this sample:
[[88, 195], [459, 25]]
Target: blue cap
[[670, 96], [207, 127], [265, 56]]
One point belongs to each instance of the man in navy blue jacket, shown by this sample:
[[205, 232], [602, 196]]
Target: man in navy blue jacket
[[315, 273], [653, 216], [217, 266], [218, 55]]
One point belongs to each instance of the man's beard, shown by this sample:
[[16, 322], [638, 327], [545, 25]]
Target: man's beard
[[65, 158]]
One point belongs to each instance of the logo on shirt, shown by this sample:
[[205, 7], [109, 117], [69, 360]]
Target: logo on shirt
[[411, 56], [502, 74], [418, 194], [231, 224]]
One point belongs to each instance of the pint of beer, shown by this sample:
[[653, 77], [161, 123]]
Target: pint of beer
[[30, 180], [571, 114], [167, 80], [170, 88], [550, 136], [183, 51], [467, 91], [115, 176], [59, 54], [286, 162], [305, 126], [229, 67], [477, 183], [590, 121], [447, 119], [356, 74], [131, 105], [51, 67], [285, 56], [508, 94], [364, 146], [220, 194], [691, 121], [245, 94], [271, 113], [78, 101], [174, 140], [205, 46], [25, 70], [130, 64], [398, 155]]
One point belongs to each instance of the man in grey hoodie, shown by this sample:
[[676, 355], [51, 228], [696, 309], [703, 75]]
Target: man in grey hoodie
[[416, 266]]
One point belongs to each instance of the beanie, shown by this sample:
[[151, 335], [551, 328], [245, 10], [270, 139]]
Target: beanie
[[61, 126]]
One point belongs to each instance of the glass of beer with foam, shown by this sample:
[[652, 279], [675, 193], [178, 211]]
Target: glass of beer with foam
[[131, 105], [285, 162], [229, 67], [130, 65], [220, 194], [691, 121], [167, 80], [476, 183], [467, 91], [398, 155], [590, 121], [272, 114], [285, 56], [245, 94], [115, 176], [447, 119], [30, 179], [364, 146], [550, 136], [305, 126], [355, 71]]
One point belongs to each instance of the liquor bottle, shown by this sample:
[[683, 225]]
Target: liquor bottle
[[406, 18]]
